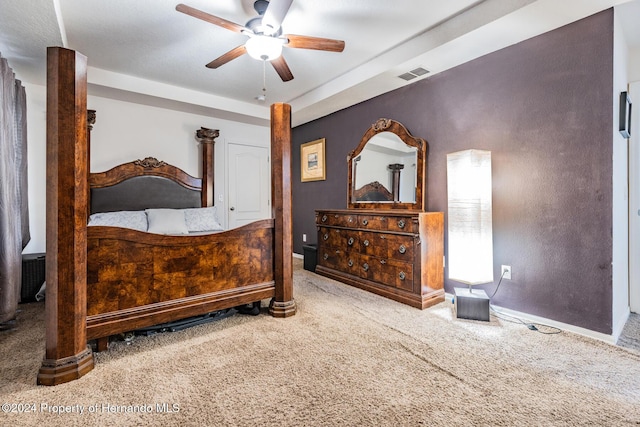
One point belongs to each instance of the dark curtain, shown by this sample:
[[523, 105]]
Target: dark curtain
[[14, 221], [21, 141]]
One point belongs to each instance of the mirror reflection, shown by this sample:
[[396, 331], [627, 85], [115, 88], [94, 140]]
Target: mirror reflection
[[385, 171]]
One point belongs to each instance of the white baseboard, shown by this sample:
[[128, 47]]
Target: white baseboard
[[618, 324], [530, 318], [295, 255]]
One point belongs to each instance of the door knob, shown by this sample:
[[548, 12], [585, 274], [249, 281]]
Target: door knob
[[232, 208]]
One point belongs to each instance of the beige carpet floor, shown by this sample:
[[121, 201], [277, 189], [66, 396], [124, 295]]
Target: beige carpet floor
[[630, 336], [346, 358]]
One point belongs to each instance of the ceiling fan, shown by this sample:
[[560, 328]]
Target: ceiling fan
[[265, 36]]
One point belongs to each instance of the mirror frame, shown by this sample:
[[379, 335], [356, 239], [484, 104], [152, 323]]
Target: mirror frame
[[389, 125]]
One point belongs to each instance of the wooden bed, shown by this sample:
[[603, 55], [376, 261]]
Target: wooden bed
[[105, 280], [137, 279]]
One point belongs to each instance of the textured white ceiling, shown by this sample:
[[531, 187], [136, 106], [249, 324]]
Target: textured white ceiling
[[26, 29], [145, 51], [150, 38]]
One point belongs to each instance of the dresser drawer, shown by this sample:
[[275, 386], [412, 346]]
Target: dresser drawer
[[405, 224], [373, 222], [385, 245], [339, 259], [337, 219], [340, 238], [387, 272]]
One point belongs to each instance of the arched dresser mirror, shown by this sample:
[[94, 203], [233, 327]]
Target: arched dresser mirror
[[387, 169], [385, 242]]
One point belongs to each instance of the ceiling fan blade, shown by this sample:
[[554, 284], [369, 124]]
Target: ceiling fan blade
[[275, 13], [317, 43], [282, 68], [229, 56], [215, 20]]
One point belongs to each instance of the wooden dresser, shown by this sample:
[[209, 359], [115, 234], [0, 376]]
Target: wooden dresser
[[396, 254]]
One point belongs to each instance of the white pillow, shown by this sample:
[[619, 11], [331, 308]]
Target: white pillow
[[166, 221], [202, 219], [136, 220]]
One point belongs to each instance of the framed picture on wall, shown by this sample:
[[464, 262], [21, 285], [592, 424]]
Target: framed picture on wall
[[312, 160]]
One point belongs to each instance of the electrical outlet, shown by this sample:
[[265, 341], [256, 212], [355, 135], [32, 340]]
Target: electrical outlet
[[505, 272], [304, 237]]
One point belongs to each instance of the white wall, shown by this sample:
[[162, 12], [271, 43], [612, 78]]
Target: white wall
[[634, 181], [374, 166], [620, 226], [633, 66], [634, 200], [36, 164], [126, 131]]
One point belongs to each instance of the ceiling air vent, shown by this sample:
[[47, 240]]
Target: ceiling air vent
[[413, 74]]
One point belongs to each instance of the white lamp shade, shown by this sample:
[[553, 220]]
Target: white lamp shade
[[264, 47], [469, 216]]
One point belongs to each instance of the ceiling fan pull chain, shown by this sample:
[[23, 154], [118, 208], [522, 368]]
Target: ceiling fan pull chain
[[263, 97], [264, 79]]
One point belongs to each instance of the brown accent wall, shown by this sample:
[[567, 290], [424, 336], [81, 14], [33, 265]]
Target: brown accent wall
[[544, 109]]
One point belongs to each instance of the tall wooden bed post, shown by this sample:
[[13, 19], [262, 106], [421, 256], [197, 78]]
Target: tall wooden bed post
[[207, 138], [67, 356], [282, 304], [91, 120]]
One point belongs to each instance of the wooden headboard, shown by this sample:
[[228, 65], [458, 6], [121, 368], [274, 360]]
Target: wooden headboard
[[152, 183], [373, 192], [142, 184]]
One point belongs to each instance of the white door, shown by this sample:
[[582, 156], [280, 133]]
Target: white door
[[249, 184]]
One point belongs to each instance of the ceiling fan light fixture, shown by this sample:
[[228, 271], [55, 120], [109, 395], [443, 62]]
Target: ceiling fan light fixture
[[264, 47], [265, 36]]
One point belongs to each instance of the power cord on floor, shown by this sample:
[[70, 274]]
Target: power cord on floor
[[536, 327], [532, 326]]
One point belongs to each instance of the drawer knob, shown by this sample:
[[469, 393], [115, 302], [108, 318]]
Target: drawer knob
[[402, 275], [350, 241], [337, 251], [401, 223], [324, 218], [383, 262], [325, 256], [350, 219], [326, 236], [402, 249], [365, 267], [365, 221], [350, 263], [366, 243]]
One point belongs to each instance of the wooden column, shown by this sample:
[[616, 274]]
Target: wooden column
[[67, 355], [395, 169], [283, 304], [91, 120], [207, 139]]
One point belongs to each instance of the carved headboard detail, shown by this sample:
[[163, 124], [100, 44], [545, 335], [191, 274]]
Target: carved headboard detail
[[373, 192]]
